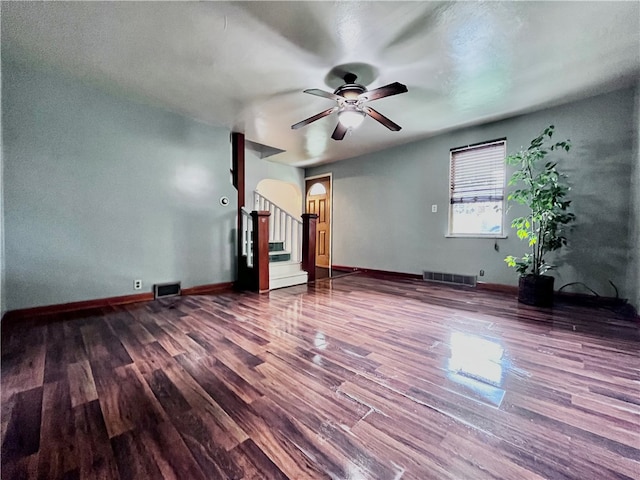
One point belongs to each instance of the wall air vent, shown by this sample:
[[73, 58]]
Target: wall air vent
[[454, 278], [171, 289]]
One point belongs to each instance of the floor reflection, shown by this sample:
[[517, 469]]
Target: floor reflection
[[287, 322], [320, 341], [478, 364]]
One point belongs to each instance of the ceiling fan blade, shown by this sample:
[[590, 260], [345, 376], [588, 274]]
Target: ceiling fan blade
[[339, 132], [382, 119], [320, 115], [386, 91], [322, 93]]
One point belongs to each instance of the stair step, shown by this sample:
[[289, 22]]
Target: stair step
[[279, 256], [286, 274], [276, 246], [281, 269], [288, 281]]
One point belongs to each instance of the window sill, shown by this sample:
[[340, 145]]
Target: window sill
[[472, 235]]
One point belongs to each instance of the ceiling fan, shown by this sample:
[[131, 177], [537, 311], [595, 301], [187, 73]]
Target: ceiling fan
[[351, 105]]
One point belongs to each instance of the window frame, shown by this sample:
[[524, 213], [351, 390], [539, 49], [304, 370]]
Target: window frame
[[502, 233]]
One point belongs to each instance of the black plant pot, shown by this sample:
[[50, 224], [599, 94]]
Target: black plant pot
[[536, 290]]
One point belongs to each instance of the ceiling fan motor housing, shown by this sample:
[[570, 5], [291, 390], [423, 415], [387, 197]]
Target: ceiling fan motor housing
[[350, 90]]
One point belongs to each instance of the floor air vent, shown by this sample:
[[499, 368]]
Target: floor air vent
[[469, 280], [161, 290]]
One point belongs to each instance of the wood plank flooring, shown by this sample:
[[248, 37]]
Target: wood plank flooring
[[351, 378]]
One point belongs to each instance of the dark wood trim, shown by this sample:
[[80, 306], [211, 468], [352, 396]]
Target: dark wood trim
[[342, 268], [261, 249], [498, 287], [493, 287], [208, 289], [309, 235], [569, 297], [372, 272], [237, 175], [245, 280], [24, 313], [237, 172]]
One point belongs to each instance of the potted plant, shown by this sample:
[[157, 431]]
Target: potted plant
[[542, 189]]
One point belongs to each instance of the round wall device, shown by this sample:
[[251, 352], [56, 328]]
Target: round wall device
[[224, 201]]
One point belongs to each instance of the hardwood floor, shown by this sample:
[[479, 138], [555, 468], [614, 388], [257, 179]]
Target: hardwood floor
[[351, 378]]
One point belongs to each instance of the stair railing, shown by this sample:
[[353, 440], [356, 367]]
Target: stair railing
[[283, 226], [247, 240]]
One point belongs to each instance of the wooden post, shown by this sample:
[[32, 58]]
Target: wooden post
[[309, 221], [237, 176], [261, 249]]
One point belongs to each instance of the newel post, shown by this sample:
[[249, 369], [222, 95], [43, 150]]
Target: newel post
[[237, 175], [309, 221], [260, 237]]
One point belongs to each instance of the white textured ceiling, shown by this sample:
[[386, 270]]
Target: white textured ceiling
[[243, 65]]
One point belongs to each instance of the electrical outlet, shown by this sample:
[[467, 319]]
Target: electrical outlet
[[434, 208], [482, 273], [137, 284]]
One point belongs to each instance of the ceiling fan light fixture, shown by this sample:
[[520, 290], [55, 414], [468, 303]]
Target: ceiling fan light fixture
[[351, 118]]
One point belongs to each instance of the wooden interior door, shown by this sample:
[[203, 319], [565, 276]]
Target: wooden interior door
[[318, 195]]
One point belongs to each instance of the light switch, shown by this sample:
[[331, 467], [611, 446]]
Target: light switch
[[434, 208]]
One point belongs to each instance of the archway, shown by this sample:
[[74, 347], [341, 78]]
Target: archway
[[286, 195]]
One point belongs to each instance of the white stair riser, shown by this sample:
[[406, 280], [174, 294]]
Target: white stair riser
[[279, 269], [288, 281], [286, 274]]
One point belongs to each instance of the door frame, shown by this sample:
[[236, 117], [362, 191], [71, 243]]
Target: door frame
[[313, 177]]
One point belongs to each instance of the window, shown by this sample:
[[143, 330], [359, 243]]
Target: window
[[476, 190], [317, 189]]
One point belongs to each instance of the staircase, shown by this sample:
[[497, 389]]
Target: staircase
[[285, 245], [283, 272]]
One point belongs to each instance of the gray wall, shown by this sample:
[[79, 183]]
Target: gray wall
[[382, 202], [2, 257], [101, 191], [634, 223], [257, 169]]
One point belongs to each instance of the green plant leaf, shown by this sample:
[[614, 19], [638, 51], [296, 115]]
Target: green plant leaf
[[543, 189]]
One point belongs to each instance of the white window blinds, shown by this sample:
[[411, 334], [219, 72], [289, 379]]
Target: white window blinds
[[478, 173]]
